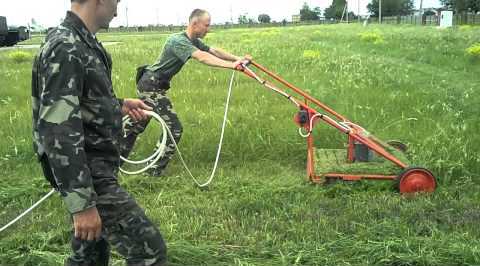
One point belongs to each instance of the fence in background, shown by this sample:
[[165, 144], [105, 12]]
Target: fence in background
[[461, 19]]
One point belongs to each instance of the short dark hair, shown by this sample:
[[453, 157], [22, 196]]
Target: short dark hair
[[196, 13], [78, 1]]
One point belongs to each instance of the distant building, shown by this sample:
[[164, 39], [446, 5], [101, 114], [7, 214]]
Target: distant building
[[429, 10], [295, 18]]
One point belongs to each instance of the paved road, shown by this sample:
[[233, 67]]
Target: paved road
[[20, 46], [36, 46]]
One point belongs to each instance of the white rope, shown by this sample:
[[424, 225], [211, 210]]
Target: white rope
[[155, 156], [311, 127], [27, 211], [344, 124], [159, 152], [161, 145], [266, 84]]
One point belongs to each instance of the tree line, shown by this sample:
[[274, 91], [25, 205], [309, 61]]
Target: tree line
[[389, 8]]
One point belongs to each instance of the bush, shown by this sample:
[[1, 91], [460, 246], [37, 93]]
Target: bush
[[373, 37], [311, 54], [465, 27], [474, 51], [20, 56]]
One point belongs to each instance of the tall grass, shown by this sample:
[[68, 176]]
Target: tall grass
[[417, 85]]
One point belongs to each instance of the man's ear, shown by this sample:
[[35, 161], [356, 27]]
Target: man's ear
[[194, 21], [99, 2]]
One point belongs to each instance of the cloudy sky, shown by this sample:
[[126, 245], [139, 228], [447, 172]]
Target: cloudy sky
[[144, 12]]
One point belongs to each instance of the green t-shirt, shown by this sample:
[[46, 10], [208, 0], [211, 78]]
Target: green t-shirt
[[177, 50]]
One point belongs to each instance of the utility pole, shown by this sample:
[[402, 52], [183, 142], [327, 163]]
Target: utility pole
[[421, 7], [358, 11], [126, 14], [380, 11], [346, 8]]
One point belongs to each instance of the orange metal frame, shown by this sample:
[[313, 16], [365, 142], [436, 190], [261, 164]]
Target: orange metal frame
[[354, 132]]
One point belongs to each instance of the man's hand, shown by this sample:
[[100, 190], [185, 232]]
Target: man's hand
[[87, 224], [245, 57], [238, 65], [135, 108], [248, 57]]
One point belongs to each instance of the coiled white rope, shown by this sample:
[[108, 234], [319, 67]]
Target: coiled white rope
[[155, 156], [159, 152], [161, 144]]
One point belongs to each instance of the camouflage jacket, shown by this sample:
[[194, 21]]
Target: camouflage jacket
[[76, 116]]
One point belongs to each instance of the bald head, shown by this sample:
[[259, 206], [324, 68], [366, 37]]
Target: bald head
[[198, 23], [197, 14]]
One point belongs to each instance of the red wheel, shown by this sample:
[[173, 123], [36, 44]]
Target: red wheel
[[416, 179]]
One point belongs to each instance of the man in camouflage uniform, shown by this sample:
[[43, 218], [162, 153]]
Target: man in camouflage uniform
[[154, 81], [77, 122]]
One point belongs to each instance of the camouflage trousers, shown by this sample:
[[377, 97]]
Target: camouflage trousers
[[161, 105], [125, 227]]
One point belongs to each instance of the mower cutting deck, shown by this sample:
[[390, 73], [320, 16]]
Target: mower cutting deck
[[366, 156]]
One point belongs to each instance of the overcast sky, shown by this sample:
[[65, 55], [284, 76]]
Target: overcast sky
[[144, 12]]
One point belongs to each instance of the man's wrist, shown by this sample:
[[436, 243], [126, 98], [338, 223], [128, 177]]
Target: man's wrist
[[80, 199], [120, 101]]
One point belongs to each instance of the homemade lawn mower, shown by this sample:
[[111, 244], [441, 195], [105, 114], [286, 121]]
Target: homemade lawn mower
[[365, 157]]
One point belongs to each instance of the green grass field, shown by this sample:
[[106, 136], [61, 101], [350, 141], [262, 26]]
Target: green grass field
[[414, 84]]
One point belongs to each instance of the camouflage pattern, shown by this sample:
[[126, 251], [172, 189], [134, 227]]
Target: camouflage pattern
[[77, 124], [149, 92], [76, 117], [125, 228], [152, 89]]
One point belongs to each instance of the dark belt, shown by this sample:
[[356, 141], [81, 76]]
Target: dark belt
[[149, 81]]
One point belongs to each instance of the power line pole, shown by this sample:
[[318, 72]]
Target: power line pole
[[346, 9], [126, 14], [421, 7], [380, 11], [358, 10]]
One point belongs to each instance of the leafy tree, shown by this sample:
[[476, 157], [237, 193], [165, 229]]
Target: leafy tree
[[244, 19], [264, 18], [306, 13], [317, 11], [462, 5], [392, 7], [335, 10], [474, 6]]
